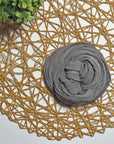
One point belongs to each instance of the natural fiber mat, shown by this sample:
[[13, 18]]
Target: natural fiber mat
[[24, 97]]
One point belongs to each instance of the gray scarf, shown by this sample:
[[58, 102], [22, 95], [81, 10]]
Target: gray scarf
[[76, 73]]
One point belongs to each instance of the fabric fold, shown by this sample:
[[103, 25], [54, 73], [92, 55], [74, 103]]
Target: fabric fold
[[76, 73]]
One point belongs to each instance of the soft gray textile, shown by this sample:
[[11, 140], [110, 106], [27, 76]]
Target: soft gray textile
[[76, 73]]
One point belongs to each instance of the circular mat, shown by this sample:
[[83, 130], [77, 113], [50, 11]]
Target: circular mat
[[24, 97]]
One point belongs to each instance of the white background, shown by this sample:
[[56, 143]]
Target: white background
[[10, 133]]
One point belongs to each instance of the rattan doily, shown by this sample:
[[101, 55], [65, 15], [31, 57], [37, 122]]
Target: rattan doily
[[23, 95]]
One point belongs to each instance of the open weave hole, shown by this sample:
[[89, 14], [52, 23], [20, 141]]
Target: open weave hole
[[24, 97]]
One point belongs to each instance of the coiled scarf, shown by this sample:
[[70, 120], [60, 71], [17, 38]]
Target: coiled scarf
[[76, 73]]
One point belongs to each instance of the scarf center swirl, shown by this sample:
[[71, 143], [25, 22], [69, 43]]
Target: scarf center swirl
[[77, 73]]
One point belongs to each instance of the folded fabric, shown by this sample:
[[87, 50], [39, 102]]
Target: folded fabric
[[76, 73]]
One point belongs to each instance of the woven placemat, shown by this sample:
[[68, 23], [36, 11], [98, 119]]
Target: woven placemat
[[24, 97]]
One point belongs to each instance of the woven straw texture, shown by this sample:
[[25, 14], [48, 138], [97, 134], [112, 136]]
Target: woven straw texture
[[24, 97]]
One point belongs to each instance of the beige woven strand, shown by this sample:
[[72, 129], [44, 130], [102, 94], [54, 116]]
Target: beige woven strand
[[24, 97]]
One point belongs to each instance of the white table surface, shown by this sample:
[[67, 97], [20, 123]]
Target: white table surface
[[10, 133]]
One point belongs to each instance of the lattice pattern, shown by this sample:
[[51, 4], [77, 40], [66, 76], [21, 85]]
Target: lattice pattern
[[23, 95]]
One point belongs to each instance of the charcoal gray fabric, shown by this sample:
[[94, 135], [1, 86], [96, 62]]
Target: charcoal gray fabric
[[76, 73]]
